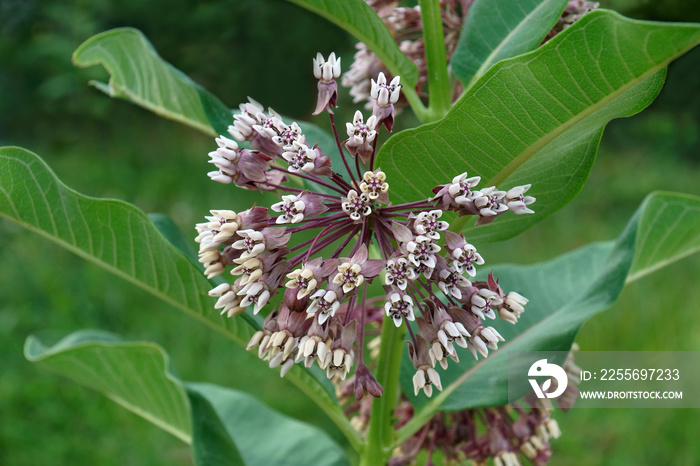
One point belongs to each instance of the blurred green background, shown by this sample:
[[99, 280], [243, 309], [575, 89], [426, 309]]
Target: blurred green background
[[109, 148]]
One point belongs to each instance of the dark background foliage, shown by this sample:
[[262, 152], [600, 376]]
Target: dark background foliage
[[236, 48]]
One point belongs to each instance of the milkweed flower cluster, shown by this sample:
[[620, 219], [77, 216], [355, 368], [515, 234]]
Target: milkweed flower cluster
[[313, 246]]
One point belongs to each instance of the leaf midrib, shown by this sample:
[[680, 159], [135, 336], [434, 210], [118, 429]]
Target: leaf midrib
[[542, 142]]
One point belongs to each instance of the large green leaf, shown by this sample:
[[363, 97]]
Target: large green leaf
[[224, 426], [356, 17], [538, 118], [498, 29], [112, 234], [563, 294], [121, 239], [139, 74]]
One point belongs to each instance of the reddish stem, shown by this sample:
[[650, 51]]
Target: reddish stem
[[342, 152]]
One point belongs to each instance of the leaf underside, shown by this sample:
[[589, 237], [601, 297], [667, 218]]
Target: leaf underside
[[538, 118]]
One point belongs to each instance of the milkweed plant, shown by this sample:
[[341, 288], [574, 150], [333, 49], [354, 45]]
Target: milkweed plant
[[362, 282]]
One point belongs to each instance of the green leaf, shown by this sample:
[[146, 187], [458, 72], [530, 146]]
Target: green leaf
[[538, 118], [498, 29], [121, 239], [224, 426], [662, 238], [356, 17], [266, 437], [211, 443], [109, 233], [564, 293], [135, 375], [140, 75]]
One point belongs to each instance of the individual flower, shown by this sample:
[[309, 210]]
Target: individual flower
[[255, 126], [353, 271], [256, 293], [315, 345], [326, 72], [385, 96], [361, 136], [356, 205], [229, 300], [465, 258], [427, 224], [288, 135], [374, 185], [399, 307], [325, 303], [422, 250], [399, 272], [341, 356], [292, 209], [452, 282], [425, 377], [307, 278], [300, 157], [516, 202], [484, 302], [513, 306]]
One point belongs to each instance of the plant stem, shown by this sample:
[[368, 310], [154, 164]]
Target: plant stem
[[436, 59], [416, 104], [380, 437]]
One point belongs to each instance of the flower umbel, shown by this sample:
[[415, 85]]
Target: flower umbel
[[314, 246]]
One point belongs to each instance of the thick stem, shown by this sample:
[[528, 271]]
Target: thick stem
[[380, 437], [436, 58], [416, 104]]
